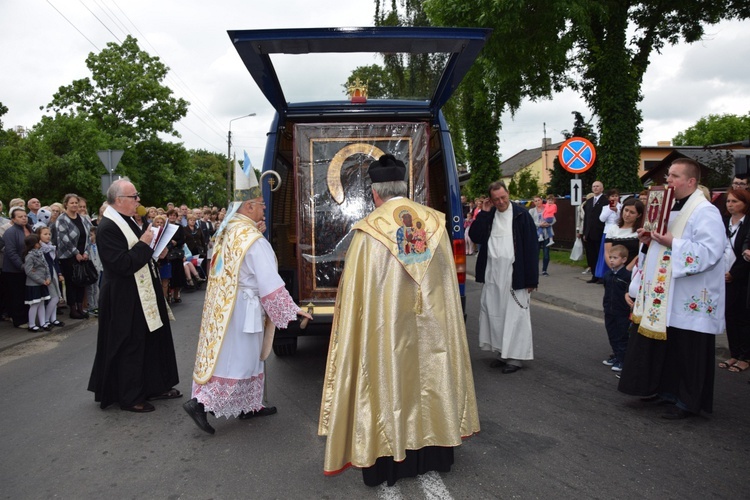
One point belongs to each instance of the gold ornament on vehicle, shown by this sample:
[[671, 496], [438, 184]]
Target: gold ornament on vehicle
[[357, 91]]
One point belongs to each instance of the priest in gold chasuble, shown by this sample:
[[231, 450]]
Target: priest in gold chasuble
[[245, 299], [398, 393]]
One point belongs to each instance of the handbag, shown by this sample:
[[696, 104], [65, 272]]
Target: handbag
[[84, 273], [176, 254], [577, 251]]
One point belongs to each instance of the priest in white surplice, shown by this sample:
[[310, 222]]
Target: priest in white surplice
[[679, 307], [508, 266]]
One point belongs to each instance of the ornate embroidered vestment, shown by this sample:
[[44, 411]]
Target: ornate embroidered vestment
[[221, 294]]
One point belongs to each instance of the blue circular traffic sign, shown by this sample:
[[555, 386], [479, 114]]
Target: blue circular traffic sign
[[577, 155]]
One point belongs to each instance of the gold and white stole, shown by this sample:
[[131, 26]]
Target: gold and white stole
[[652, 302], [142, 276]]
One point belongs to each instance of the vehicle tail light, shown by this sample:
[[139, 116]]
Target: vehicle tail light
[[459, 258]]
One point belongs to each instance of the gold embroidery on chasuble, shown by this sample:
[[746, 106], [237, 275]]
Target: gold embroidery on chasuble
[[410, 231], [221, 293]]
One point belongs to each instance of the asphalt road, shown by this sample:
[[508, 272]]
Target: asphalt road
[[556, 429]]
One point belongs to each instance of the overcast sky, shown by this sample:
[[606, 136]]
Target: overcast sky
[[45, 44]]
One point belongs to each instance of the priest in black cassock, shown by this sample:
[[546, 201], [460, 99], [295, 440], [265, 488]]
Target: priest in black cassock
[[135, 359]]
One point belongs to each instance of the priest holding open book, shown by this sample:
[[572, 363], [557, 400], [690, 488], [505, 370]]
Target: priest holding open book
[[135, 359]]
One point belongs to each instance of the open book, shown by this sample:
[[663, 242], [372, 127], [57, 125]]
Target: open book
[[162, 236]]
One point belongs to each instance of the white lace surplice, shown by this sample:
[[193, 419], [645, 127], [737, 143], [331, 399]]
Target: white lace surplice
[[504, 326], [237, 382]]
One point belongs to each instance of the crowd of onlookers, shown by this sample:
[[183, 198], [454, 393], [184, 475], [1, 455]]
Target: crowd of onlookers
[[606, 228], [41, 248]]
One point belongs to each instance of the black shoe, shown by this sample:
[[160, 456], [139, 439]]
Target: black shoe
[[198, 413], [498, 363], [511, 369], [677, 413], [57, 323], [139, 408], [593, 280], [263, 412]]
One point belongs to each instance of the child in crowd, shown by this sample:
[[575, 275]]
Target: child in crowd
[[37, 279], [92, 291], [548, 215], [616, 307], [54, 288]]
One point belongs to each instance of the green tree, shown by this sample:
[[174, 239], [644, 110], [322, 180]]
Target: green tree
[[524, 58], [715, 129], [410, 75], [608, 44], [14, 165], [125, 96], [62, 157], [559, 183], [524, 185], [720, 165], [209, 177]]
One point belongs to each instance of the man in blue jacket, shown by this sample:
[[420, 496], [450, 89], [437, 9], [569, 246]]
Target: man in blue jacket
[[508, 266]]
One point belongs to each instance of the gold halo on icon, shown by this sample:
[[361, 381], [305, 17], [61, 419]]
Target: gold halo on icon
[[334, 169]]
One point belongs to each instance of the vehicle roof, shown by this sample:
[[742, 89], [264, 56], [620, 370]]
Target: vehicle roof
[[461, 45]]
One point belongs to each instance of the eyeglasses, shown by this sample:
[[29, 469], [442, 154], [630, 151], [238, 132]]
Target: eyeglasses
[[261, 203], [739, 184], [134, 196]]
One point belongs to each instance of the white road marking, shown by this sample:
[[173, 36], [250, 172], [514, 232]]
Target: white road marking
[[433, 486], [389, 492]]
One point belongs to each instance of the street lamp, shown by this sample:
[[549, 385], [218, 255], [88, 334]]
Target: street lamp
[[229, 158]]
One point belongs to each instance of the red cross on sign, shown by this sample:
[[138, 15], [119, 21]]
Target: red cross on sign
[[577, 155]]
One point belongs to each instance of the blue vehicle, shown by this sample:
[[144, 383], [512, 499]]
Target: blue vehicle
[[315, 165]]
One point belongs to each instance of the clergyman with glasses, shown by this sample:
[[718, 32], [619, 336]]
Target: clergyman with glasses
[[135, 359]]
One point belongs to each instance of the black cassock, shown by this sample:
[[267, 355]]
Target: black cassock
[[131, 362]]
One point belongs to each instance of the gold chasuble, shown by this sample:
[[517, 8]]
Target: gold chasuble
[[398, 375], [221, 294]]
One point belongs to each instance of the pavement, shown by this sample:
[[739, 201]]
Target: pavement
[[565, 287]]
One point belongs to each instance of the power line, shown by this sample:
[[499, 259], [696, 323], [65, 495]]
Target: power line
[[100, 21], [74, 26]]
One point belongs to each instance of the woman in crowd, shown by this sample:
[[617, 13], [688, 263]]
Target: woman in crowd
[[72, 246], [624, 232], [151, 215], [55, 210], [196, 243], [176, 257], [537, 214], [736, 312], [13, 276]]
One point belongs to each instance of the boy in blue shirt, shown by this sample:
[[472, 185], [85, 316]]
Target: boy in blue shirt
[[616, 308]]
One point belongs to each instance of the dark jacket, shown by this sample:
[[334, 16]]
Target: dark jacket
[[740, 270], [525, 246], [593, 228], [14, 248], [616, 285]]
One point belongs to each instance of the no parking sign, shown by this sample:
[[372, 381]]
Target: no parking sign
[[577, 155]]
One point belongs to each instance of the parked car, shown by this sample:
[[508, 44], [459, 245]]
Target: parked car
[[317, 153]]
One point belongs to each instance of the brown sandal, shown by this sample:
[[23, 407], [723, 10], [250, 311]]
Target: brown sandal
[[737, 368], [727, 364]]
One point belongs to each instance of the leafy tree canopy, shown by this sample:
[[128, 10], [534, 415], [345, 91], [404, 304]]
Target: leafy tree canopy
[[715, 129], [124, 96]]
